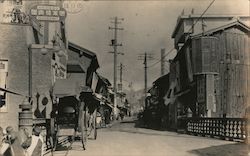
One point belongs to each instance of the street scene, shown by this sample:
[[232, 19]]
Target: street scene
[[125, 138], [129, 78]]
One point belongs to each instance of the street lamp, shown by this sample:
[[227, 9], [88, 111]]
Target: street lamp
[[61, 52], [57, 49], [44, 51]]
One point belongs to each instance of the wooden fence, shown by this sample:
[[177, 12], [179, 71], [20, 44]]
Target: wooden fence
[[224, 128]]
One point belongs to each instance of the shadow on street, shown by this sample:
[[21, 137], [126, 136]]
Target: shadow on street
[[140, 124], [237, 149], [135, 126]]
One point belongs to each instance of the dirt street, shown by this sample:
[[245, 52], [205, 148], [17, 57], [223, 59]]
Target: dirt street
[[123, 139]]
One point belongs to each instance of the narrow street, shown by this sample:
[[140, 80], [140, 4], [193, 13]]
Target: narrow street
[[123, 139]]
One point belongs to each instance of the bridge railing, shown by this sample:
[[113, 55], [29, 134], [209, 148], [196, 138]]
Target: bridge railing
[[224, 128]]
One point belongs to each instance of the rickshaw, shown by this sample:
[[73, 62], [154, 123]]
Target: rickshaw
[[76, 113]]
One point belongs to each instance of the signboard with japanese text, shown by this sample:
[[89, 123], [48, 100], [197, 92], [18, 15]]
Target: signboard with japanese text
[[50, 13], [59, 65]]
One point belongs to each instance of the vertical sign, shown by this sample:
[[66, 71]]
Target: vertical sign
[[3, 77], [59, 65], [47, 14]]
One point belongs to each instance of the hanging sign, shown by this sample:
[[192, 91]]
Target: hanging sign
[[59, 65], [51, 13]]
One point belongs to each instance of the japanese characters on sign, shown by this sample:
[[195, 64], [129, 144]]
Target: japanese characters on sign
[[48, 13], [59, 66]]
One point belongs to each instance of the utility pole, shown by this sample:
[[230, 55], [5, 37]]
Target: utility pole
[[145, 72], [145, 62], [162, 62], [114, 44], [121, 70]]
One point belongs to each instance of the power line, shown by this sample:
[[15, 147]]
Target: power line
[[188, 32], [201, 16]]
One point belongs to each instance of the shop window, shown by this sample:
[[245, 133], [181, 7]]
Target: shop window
[[3, 80]]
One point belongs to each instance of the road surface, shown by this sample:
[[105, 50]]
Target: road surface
[[123, 139]]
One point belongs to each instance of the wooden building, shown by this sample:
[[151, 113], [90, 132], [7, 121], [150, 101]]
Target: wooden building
[[103, 94], [156, 113], [210, 72]]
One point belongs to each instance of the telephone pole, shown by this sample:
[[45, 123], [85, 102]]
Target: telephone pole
[[145, 57], [162, 62], [115, 44], [145, 72], [121, 70]]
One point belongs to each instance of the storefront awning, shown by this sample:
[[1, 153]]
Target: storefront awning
[[103, 79], [65, 87], [74, 68]]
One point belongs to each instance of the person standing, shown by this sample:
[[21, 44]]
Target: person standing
[[12, 144], [34, 144]]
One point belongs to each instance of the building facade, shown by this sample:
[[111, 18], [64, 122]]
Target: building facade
[[33, 56], [210, 73]]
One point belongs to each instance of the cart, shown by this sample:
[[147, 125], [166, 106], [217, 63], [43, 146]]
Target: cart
[[76, 114]]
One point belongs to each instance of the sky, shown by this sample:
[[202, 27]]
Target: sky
[[148, 26]]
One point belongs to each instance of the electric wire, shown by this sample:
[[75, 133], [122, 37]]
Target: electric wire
[[188, 32]]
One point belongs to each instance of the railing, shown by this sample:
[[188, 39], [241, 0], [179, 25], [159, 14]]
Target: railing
[[224, 128]]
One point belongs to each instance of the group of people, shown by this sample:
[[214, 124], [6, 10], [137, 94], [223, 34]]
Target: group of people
[[20, 143]]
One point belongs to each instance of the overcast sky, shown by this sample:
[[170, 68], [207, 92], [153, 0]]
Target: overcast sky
[[148, 26]]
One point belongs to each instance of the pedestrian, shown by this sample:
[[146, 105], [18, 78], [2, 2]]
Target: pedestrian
[[121, 115], [1, 136], [11, 145], [34, 144], [1, 141]]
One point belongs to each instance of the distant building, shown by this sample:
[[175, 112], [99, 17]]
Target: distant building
[[105, 94], [156, 113]]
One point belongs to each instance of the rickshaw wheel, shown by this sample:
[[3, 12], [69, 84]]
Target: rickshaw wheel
[[55, 138], [52, 134], [94, 124], [83, 125]]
